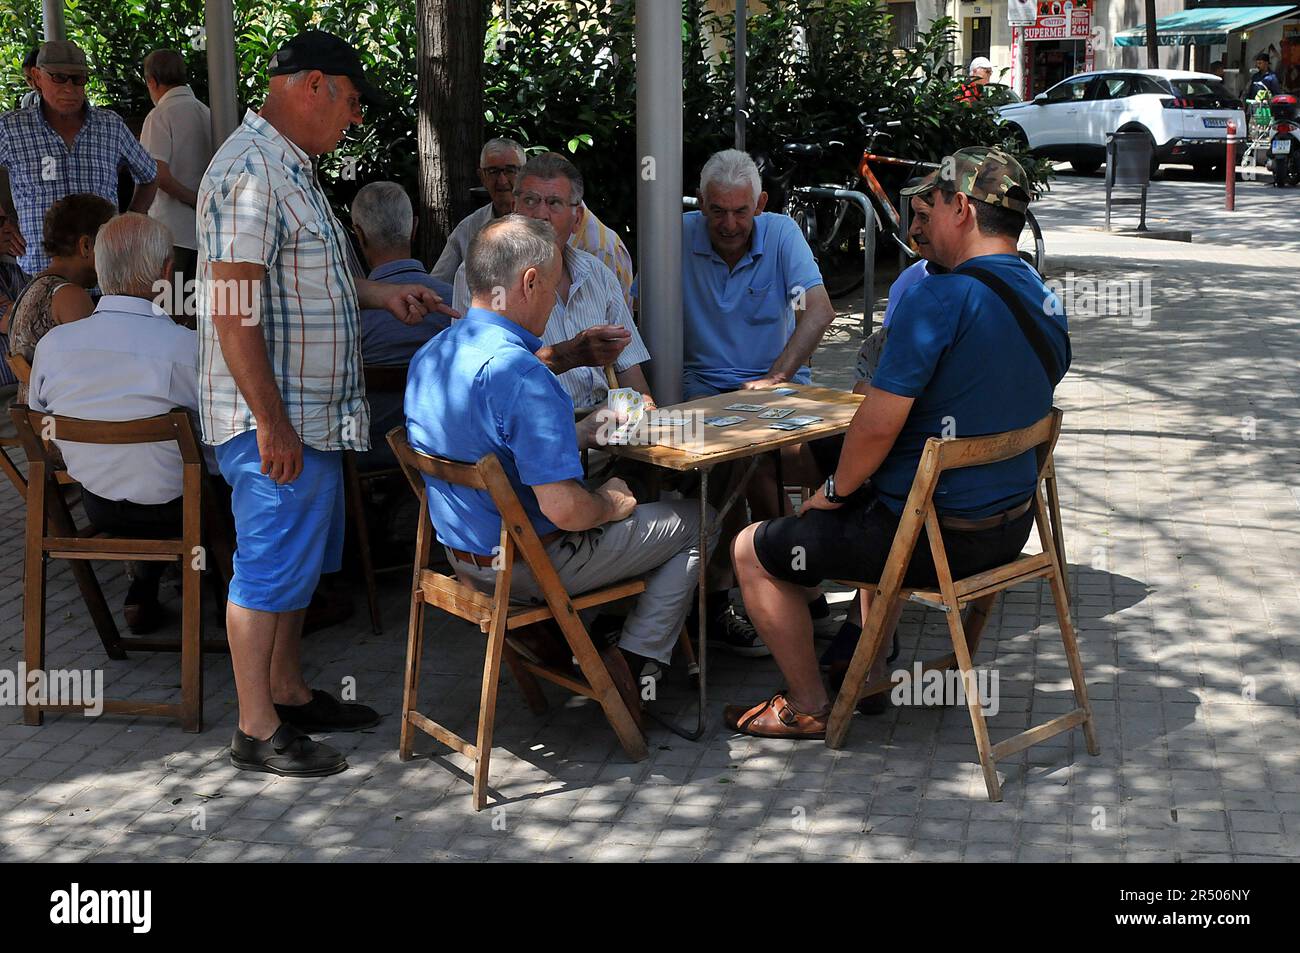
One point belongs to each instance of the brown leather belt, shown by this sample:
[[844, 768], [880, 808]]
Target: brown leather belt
[[485, 562], [989, 522]]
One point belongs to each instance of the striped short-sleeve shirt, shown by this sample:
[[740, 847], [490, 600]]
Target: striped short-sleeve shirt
[[597, 239], [260, 202]]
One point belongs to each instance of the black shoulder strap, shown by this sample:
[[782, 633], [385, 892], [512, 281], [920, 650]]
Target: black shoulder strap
[[1032, 332]]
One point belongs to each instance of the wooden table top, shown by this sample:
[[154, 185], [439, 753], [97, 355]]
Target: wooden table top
[[687, 443]]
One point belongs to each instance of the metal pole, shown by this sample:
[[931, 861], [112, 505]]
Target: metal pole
[[52, 18], [659, 190], [871, 225], [742, 56], [219, 29]]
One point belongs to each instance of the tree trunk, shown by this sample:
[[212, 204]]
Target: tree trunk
[[1153, 59], [449, 115]]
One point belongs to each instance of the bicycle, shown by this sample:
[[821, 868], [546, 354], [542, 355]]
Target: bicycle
[[834, 228]]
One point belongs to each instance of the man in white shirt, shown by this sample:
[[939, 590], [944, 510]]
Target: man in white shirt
[[126, 361], [499, 163], [590, 325], [178, 134]]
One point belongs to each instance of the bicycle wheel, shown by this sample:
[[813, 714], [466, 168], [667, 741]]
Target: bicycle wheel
[[839, 250], [1030, 244]]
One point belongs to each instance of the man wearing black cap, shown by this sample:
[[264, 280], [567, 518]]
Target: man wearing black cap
[[280, 387]]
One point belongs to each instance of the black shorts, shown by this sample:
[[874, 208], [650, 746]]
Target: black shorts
[[852, 543]]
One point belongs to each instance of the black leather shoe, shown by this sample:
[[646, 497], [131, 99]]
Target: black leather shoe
[[288, 753], [325, 713]]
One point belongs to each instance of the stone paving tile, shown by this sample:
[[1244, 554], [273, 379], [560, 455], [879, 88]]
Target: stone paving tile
[[1181, 524]]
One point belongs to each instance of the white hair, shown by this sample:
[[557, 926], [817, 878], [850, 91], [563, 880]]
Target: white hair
[[383, 211], [501, 145], [729, 169], [131, 251], [295, 79]]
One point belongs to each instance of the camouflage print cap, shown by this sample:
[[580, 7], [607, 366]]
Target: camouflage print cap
[[984, 174]]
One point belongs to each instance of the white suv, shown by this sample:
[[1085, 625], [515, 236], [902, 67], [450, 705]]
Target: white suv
[[1185, 114]]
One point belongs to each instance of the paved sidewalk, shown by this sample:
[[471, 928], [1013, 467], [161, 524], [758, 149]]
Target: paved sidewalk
[[1182, 515]]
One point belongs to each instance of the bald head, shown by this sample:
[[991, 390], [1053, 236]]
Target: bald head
[[132, 253]]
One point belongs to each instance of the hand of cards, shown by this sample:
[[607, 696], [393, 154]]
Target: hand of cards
[[628, 405]]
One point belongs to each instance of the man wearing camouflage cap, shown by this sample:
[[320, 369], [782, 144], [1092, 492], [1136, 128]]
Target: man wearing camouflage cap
[[976, 351]]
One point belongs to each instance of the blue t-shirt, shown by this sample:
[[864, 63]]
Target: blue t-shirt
[[478, 388], [956, 349], [385, 339], [736, 321]]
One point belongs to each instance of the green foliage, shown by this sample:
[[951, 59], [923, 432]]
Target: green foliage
[[558, 75]]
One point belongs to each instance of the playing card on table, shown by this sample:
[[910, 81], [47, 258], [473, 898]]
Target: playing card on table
[[793, 423], [723, 421], [746, 407], [776, 413], [784, 391]]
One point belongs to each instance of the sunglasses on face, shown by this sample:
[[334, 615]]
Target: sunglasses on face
[[77, 79], [531, 200]]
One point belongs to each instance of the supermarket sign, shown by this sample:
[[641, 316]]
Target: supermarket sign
[[1060, 20]]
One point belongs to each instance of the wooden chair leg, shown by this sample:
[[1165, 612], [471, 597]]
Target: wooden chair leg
[[82, 571], [975, 619], [1076, 664], [1058, 540], [529, 687], [34, 623], [487, 709], [606, 695], [974, 703], [191, 646], [411, 689], [881, 608], [352, 487]]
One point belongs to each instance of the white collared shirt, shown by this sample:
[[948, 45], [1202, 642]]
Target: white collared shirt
[[453, 253], [178, 131], [595, 297], [126, 361]]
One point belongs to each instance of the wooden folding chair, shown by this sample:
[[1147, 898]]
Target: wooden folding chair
[[51, 533], [379, 378], [495, 615], [978, 592]]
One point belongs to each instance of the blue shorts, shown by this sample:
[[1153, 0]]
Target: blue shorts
[[285, 535]]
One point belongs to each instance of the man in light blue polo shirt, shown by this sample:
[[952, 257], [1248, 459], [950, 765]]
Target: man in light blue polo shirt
[[479, 388], [753, 305]]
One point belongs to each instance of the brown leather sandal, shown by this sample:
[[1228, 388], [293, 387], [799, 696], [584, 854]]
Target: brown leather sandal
[[777, 718]]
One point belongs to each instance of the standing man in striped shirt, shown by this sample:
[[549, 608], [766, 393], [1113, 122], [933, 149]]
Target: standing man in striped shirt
[[590, 325], [280, 387]]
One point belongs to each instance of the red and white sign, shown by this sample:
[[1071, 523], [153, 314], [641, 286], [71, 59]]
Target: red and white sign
[[1073, 24]]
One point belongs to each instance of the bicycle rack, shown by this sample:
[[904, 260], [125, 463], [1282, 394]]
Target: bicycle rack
[[869, 217]]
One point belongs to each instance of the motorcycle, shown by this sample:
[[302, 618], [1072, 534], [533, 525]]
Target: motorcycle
[[1284, 141]]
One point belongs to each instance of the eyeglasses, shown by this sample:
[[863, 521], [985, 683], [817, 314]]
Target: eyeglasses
[[77, 79], [531, 200], [496, 171]]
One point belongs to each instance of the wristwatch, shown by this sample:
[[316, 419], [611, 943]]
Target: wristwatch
[[829, 490]]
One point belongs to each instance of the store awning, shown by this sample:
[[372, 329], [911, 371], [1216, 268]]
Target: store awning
[[1205, 25]]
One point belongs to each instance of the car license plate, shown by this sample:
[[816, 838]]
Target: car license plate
[[1280, 147], [1212, 122]]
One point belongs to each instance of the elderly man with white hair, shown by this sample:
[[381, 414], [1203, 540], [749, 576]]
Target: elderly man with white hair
[[499, 163], [127, 360], [753, 311]]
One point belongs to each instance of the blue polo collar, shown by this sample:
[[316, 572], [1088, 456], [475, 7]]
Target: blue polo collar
[[512, 330], [400, 266]]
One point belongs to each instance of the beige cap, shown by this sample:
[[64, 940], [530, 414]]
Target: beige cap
[[62, 56]]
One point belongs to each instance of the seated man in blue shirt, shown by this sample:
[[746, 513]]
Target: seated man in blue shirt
[[956, 357], [753, 305], [384, 223], [480, 388]]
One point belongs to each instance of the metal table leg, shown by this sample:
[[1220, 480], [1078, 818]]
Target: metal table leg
[[703, 652]]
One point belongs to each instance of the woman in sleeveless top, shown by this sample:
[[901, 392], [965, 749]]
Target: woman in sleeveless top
[[58, 294]]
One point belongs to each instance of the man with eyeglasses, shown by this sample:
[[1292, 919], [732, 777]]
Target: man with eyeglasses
[[590, 325], [64, 145], [498, 166]]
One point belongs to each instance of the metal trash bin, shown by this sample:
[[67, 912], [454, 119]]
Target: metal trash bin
[[1128, 164]]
